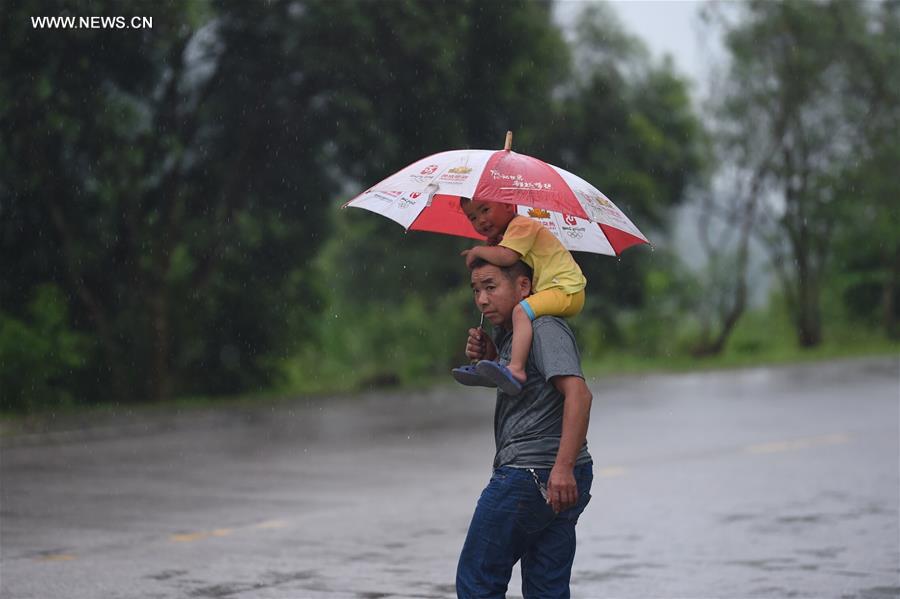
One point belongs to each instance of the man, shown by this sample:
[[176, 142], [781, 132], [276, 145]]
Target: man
[[542, 469]]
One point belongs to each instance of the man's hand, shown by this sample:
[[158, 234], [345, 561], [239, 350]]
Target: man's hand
[[562, 491], [480, 346]]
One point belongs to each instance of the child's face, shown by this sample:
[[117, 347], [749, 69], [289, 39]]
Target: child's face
[[489, 218]]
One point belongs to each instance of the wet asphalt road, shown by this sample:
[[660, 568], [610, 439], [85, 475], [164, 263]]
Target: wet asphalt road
[[756, 483]]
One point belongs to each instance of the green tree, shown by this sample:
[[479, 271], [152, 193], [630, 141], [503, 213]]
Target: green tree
[[75, 104], [175, 181], [867, 245], [805, 82], [455, 75], [625, 123], [38, 353]]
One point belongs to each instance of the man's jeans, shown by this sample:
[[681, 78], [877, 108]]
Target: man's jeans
[[513, 521]]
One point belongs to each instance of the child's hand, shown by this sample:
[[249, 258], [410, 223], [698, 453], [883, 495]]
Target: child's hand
[[471, 255]]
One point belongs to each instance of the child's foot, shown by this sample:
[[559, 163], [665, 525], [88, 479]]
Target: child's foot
[[500, 375], [467, 375], [518, 373]]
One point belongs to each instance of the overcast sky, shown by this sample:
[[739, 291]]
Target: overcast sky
[[666, 27]]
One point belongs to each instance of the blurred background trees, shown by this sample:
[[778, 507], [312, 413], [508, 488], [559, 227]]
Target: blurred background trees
[[168, 196], [810, 102]]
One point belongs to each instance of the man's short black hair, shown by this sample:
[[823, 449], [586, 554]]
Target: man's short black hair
[[519, 269]]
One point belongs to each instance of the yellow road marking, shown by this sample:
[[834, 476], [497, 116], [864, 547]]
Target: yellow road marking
[[190, 537], [196, 536], [57, 557], [797, 444], [761, 448], [611, 472]]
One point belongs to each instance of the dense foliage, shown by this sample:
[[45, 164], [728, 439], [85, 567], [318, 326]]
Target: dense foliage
[[810, 112], [169, 219]]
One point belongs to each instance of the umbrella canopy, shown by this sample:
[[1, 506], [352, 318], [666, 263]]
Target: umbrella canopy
[[424, 196]]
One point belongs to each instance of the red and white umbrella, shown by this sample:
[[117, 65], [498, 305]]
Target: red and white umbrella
[[424, 196]]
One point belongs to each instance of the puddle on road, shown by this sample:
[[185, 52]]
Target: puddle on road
[[428, 532], [823, 552], [166, 574], [268, 580], [732, 518], [804, 519], [880, 593], [767, 564], [394, 545], [617, 572]]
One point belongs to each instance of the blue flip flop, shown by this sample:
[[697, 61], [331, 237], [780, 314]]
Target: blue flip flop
[[467, 375], [500, 375]]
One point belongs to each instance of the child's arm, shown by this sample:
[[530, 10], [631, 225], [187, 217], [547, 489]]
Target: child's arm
[[495, 254]]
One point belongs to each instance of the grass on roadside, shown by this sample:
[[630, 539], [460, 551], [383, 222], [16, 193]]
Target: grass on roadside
[[762, 337]]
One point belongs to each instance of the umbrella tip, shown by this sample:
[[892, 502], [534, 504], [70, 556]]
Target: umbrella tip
[[508, 144]]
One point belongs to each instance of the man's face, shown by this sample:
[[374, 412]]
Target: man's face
[[496, 295], [489, 218]]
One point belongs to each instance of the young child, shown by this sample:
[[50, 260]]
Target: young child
[[557, 284]]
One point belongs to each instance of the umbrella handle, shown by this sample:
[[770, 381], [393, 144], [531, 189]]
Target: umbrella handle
[[508, 145], [480, 326]]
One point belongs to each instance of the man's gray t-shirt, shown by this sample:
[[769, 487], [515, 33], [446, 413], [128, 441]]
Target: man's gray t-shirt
[[528, 426]]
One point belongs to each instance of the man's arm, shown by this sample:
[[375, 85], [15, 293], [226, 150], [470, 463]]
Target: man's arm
[[561, 488]]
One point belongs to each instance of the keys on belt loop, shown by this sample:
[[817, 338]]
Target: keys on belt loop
[[539, 484]]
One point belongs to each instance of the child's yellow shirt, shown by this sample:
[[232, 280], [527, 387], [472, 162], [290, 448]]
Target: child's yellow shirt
[[551, 262]]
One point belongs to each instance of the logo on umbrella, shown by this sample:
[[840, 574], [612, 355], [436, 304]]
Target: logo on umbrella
[[571, 231], [430, 169], [408, 200], [538, 213], [460, 170], [597, 201]]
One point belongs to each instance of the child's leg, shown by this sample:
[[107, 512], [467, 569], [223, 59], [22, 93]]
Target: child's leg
[[551, 302], [521, 343]]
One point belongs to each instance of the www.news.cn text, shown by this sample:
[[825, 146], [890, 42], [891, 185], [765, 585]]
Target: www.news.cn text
[[92, 22]]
